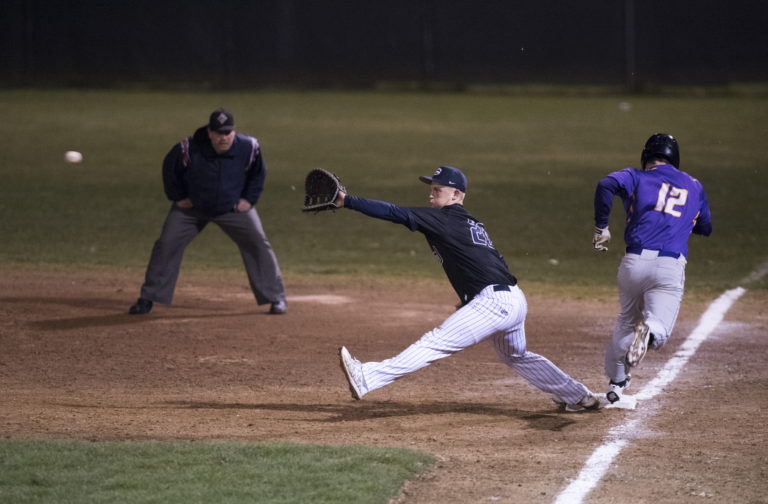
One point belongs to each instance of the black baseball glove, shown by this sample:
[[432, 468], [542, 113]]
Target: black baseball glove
[[321, 188]]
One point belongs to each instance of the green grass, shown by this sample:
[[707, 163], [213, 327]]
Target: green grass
[[532, 164], [153, 472]]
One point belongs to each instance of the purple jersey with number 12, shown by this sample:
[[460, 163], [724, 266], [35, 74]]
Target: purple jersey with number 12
[[663, 205]]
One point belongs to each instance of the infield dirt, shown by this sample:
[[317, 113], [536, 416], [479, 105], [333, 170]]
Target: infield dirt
[[74, 364]]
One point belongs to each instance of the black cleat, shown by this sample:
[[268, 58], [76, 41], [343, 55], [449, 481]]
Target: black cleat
[[142, 307], [616, 390]]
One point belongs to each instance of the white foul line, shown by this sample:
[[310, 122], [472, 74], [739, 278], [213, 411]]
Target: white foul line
[[618, 437]]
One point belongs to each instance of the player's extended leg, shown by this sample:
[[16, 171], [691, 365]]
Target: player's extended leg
[[180, 228], [490, 312], [662, 301], [260, 261], [536, 369]]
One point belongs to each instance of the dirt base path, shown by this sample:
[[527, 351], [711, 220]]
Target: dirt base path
[[215, 366]]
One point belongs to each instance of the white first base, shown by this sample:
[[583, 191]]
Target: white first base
[[626, 402]]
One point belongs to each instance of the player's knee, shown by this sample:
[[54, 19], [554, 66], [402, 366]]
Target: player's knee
[[657, 340], [434, 342], [659, 335], [510, 353]]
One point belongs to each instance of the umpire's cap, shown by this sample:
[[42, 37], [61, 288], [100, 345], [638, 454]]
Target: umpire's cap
[[448, 176], [221, 121]]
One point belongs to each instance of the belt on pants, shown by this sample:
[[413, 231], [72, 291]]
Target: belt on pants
[[662, 253], [501, 287]]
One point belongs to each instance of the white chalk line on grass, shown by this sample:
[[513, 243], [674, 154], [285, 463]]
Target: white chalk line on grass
[[757, 275], [618, 437]]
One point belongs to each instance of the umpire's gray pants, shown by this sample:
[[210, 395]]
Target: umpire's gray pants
[[245, 229]]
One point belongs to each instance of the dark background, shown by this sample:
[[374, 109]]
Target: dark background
[[233, 44]]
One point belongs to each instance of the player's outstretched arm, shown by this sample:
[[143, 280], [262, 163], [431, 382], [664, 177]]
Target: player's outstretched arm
[[378, 209]]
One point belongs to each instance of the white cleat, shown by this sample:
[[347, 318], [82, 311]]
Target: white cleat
[[639, 345], [353, 370]]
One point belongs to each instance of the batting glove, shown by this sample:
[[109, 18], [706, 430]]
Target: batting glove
[[602, 236]]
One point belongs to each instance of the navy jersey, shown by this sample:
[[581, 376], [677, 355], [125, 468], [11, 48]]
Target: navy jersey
[[214, 182], [459, 241]]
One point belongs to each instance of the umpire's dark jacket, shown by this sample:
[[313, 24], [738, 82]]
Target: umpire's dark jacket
[[214, 182]]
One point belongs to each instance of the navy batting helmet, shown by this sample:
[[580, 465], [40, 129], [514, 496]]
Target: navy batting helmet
[[663, 146]]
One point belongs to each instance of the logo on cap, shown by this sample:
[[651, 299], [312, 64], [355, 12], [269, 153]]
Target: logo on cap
[[447, 176], [448, 181], [221, 121]]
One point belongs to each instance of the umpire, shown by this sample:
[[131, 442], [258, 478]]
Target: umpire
[[216, 175]]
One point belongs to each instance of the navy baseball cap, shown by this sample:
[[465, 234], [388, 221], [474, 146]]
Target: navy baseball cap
[[448, 176], [221, 121]]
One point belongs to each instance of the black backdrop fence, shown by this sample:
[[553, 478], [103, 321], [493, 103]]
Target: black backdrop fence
[[635, 44]]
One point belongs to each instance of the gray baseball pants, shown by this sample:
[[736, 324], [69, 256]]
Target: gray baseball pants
[[650, 289], [183, 225]]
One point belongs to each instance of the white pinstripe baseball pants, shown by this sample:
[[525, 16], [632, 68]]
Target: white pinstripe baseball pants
[[495, 314]]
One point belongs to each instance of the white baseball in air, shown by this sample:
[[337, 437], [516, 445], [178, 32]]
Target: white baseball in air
[[73, 156]]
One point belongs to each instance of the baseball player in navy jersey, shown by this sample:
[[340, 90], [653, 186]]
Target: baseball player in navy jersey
[[491, 305], [663, 206]]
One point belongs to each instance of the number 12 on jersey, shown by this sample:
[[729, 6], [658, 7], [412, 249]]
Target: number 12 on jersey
[[669, 198]]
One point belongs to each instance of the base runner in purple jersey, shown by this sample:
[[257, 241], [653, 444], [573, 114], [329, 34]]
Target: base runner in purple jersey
[[663, 206], [491, 305]]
